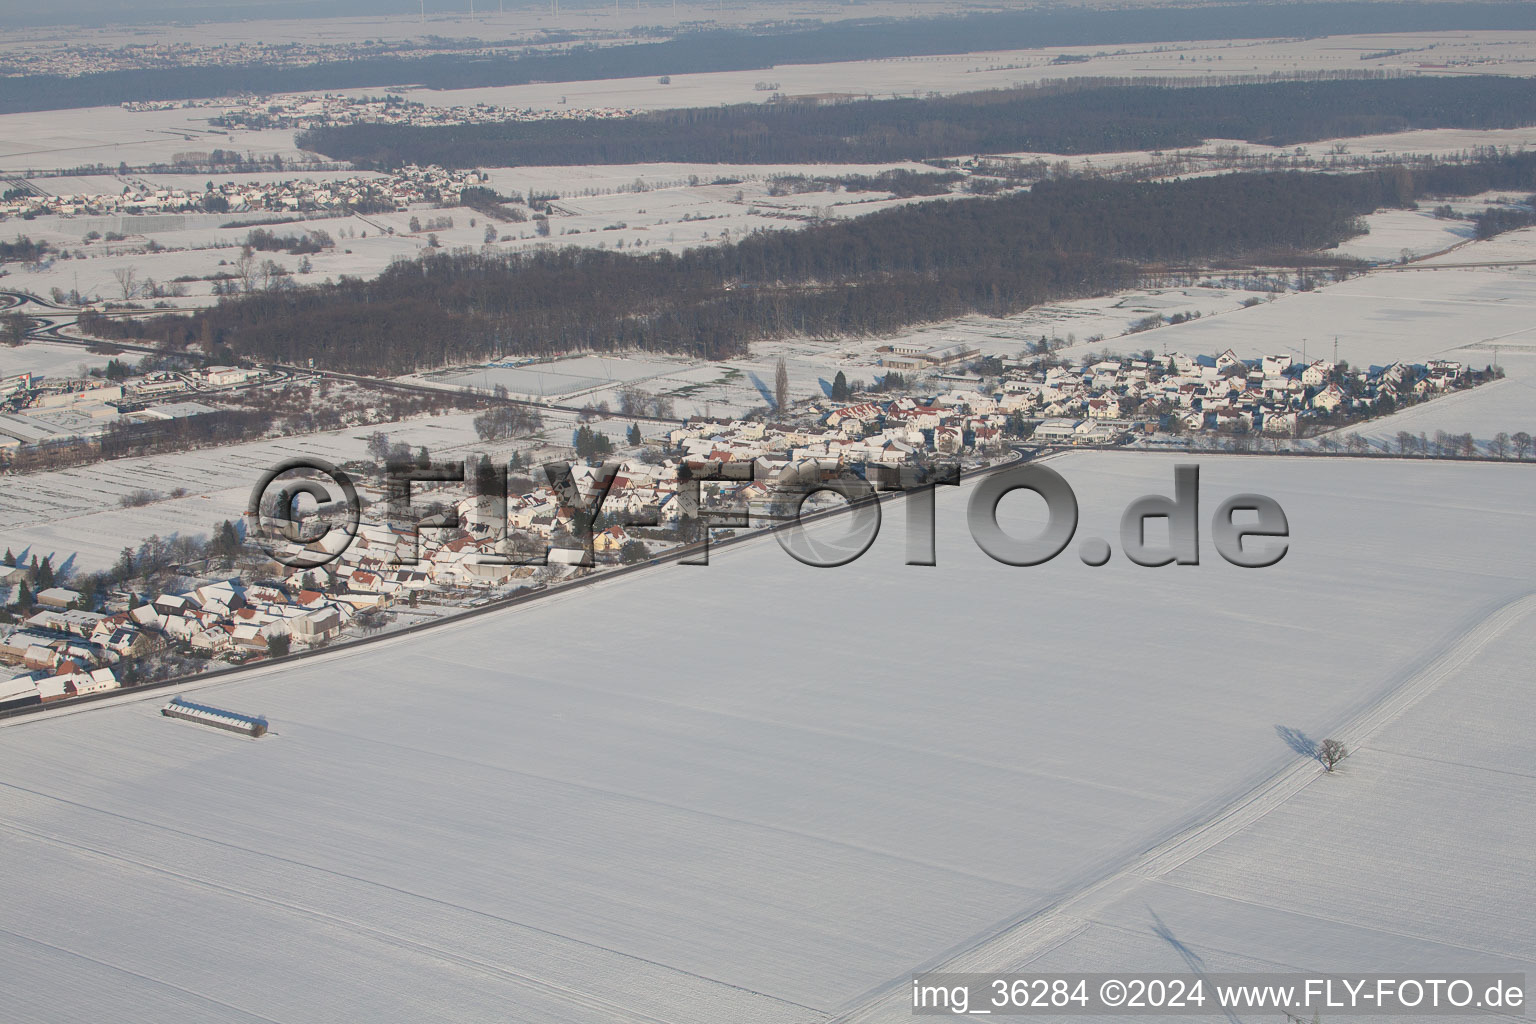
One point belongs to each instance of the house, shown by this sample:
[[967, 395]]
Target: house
[[18, 692], [1317, 374], [1102, 409], [948, 440], [610, 540], [56, 687], [1328, 399], [1235, 420], [316, 627], [96, 681], [212, 640], [1280, 424], [57, 597], [987, 438]]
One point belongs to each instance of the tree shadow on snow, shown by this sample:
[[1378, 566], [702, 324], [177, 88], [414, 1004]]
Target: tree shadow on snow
[[1297, 741], [762, 389], [1194, 961]]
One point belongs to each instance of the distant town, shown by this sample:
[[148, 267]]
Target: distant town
[[325, 111], [354, 193]]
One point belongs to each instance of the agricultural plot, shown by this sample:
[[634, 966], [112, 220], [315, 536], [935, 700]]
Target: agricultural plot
[[556, 814], [1389, 315], [77, 515], [1408, 856], [1502, 407], [1394, 234], [563, 377], [49, 359], [56, 139]]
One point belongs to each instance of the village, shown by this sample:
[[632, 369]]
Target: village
[[626, 501], [299, 111], [356, 193]]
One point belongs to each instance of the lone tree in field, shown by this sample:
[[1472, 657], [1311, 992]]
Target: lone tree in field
[[781, 385], [127, 280], [1331, 752]]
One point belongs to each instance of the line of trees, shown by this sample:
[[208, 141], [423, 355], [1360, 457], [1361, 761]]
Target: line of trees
[[918, 263], [312, 241], [1444, 444], [1080, 116], [503, 421], [23, 250]]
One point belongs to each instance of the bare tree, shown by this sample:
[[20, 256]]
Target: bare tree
[[272, 274], [127, 280], [1331, 752], [245, 269], [1500, 445], [1522, 443], [781, 386], [632, 400]]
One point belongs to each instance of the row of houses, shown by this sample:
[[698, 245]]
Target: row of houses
[[399, 189], [229, 617], [62, 651], [300, 112], [1272, 395]]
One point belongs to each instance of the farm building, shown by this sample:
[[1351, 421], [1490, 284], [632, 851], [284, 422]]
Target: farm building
[[204, 715]]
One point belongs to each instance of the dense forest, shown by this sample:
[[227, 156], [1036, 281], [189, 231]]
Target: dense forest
[[1086, 116], [721, 50], [912, 264], [878, 273]]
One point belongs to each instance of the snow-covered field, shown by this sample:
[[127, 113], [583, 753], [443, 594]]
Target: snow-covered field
[[86, 136], [447, 19], [783, 789], [49, 359], [732, 387], [1506, 53], [1503, 407], [669, 213], [1413, 855], [76, 515], [1394, 234], [1412, 314], [565, 376]]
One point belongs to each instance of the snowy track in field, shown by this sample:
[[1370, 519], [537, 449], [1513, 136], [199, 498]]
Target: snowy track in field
[[1020, 943]]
